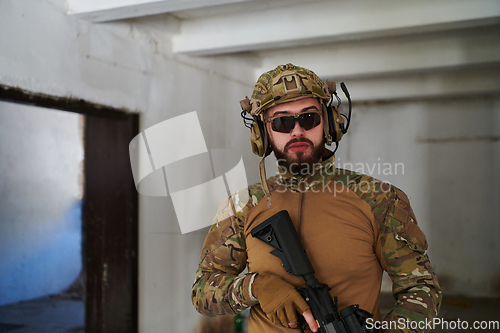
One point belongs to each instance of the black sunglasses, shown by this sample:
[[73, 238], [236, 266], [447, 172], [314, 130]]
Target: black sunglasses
[[285, 124]]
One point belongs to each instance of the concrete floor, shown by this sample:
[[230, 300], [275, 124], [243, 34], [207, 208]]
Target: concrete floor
[[50, 314], [65, 314]]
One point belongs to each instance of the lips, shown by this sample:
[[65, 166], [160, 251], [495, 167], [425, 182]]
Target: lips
[[296, 147]]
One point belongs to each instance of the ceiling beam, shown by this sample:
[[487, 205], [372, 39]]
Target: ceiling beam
[[331, 21], [465, 82], [478, 47], [111, 10]]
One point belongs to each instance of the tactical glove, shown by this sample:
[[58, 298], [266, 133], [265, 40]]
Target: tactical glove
[[279, 300]]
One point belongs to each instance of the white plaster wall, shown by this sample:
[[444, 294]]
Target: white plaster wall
[[41, 153], [129, 65], [450, 152], [43, 50], [168, 259]]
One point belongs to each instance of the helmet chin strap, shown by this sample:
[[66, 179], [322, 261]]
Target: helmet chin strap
[[263, 180]]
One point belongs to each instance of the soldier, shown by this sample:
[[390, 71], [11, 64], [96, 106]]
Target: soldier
[[351, 225]]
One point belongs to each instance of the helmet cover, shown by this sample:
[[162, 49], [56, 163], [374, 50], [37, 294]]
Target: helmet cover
[[286, 83]]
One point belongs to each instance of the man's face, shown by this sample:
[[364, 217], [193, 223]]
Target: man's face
[[298, 150]]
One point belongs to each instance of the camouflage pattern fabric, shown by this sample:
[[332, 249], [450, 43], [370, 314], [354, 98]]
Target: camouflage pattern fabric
[[286, 83], [220, 288], [404, 249]]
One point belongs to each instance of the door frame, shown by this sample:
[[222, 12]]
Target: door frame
[[109, 211]]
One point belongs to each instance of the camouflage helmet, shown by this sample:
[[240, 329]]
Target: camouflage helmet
[[285, 83]]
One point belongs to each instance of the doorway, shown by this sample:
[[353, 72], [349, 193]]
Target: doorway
[[109, 211]]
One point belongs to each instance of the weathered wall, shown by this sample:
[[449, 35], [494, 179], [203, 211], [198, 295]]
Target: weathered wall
[[449, 170], [129, 65], [449, 149]]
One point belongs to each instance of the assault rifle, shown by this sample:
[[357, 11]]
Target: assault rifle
[[279, 232]]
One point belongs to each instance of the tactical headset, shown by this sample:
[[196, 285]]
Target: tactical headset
[[334, 126]]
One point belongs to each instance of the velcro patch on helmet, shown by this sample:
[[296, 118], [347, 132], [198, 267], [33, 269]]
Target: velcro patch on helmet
[[290, 83]]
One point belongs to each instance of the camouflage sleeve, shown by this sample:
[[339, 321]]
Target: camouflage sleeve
[[218, 288], [403, 254]]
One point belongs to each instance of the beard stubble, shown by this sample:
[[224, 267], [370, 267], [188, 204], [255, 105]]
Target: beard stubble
[[300, 163]]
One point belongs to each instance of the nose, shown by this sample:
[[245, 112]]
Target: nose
[[297, 130]]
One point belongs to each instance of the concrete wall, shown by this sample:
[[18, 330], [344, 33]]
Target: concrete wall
[[41, 152], [448, 170], [129, 65], [449, 149]]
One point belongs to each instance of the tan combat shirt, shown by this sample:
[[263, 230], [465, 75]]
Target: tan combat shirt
[[352, 227]]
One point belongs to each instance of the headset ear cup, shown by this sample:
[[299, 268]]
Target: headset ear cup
[[333, 123], [258, 138], [339, 123], [326, 125]]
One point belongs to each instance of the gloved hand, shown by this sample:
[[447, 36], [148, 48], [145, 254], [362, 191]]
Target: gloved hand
[[278, 299]]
